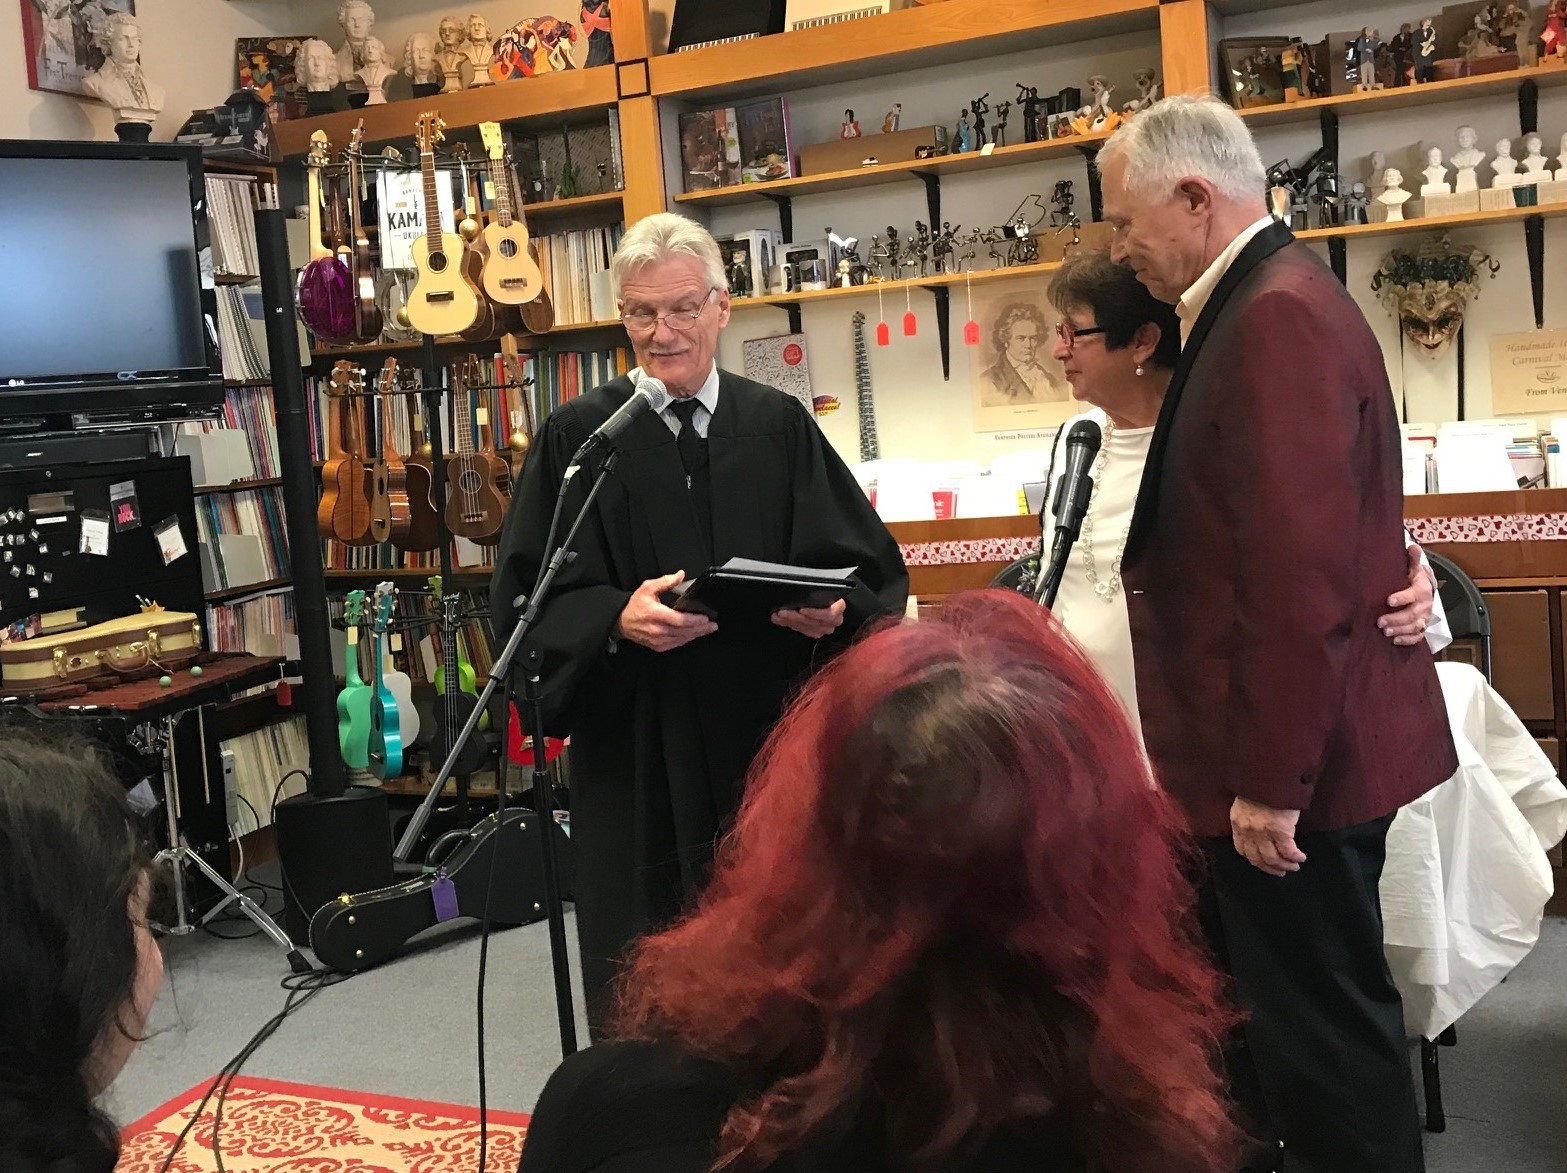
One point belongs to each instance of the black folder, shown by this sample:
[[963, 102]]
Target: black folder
[[744, 590]]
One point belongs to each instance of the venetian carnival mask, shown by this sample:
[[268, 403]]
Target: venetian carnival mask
[[1429, 289]]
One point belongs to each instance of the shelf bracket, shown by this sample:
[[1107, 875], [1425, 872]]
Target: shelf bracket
[[785, 215], [943, 296], [932, 199], [1338, 259], [1096, 194], [1329, 121], [793, 310], [1528, 106], [1534, 246]]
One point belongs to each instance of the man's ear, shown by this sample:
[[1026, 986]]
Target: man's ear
[[1195, 194]]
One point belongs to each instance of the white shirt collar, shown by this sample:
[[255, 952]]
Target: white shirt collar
[[1190, 307], [707, 394]]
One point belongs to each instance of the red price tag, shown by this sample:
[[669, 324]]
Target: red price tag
[[971, 333], [911, 325], [883, 335]]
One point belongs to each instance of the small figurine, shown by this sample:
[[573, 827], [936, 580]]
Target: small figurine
[[880, 254], [1436, 175], [315, 65], [1366, 46], [480, 50], [1147, 82], [1028, 98], [980, 107], [119, 82], [1466, 158], [1561, 160], [419, 64], [1504, 165], [1374, 182], [1325, 196], [843, 279], [889, 124], [595, 21], [1402, 47], [376, 71], [1534, 159], [1003, 112], [941, 250], [1355, 207], [962, 135], [858, 274], [920, 247], [452, 56], [850, 128], [1393, 196], [1061, 200], [356, 18], [1553, 35], [1512, 27], [1098, 115], [739, 274], [1425, 52]]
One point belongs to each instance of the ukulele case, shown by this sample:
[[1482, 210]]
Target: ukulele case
[[152, 640]]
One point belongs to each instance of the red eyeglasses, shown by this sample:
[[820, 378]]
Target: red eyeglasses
[[1069, 333]]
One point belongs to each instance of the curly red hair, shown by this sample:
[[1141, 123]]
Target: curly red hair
[[954, 890]]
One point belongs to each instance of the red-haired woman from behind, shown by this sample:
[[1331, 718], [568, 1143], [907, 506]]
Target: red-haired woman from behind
[[944, 934]]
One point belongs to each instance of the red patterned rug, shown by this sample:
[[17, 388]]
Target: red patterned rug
[[274, 1127]]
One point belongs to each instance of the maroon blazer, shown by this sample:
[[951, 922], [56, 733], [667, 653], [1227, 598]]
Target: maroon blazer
[[1266, 539]]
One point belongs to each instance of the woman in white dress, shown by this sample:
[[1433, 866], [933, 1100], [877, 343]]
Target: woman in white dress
[[1118, 345]]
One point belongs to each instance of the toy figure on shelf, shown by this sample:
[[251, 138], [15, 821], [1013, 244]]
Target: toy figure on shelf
[[1028, 98], [1099, 115], [1147, 82], [1436, 175], [1003, 112], [1325, 196], [1366, 46], [1466, 159], [850, 127], [878, 258], [858, 273], [739, 274], [1479, 40], [1534, 170], [941, 247], [1512, 28], [1561, 160], [315, 66], [1355, 207], [1393, 196], [419, 64], [1402, 47], [919, 246], [595, 21], [480, 50], [1374, 184], [980, 107], [1553, 35], [1425, 52], [1504, 165], [1061, 201], [355, 18], [889, 124], [962, 135]]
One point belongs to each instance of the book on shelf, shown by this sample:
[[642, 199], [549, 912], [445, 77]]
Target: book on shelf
[[709, 149], [264, 624], [243, 538], [576, 272], [766, 144], [261, 759], [239, 446], [231, 224], [242, 332], [783, 362]]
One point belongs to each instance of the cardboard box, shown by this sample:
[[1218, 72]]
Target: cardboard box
[[847, 154]]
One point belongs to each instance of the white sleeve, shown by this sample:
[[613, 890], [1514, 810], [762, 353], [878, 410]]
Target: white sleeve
[[1438, 634]]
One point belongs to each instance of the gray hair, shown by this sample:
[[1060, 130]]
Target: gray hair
[[660, 237], [1188, 135]]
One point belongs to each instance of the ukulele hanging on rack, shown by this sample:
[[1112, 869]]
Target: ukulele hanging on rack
[[475, 508], [385, 738], [445, 298], [367, 310], [344, 511], [391, 513], [511, 276], [538, 315], [324, 291], [353, 703], [424, 523], [457, 687]]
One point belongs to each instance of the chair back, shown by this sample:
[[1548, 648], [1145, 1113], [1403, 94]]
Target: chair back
[[1467, 615], [1018, 576]]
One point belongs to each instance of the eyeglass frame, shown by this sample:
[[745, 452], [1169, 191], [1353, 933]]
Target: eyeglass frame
[[652, 326], [1068, 334]]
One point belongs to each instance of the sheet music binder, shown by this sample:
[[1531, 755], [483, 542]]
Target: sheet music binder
[[746, 591]]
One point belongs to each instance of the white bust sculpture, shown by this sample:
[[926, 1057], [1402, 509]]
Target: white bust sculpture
[[1534, 159], [316, 66], [1393, 196], [376, 71], [119, 82], [356, 18], [1505, 166], [1561, 161], [419, 65], [1436, 174], [480, 49], [1466, 158]]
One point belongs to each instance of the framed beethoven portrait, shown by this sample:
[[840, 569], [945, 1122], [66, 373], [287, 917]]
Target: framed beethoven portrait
[[1015, 381], [57, 38]]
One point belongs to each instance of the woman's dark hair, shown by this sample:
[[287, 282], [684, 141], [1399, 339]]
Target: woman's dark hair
[[954, 894], [71, 856], [1011, 315], [1119, 301]]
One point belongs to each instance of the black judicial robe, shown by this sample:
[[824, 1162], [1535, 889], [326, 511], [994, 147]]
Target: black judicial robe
[[661, 741]]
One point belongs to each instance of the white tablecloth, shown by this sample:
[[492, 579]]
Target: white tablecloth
[[1466, 879]]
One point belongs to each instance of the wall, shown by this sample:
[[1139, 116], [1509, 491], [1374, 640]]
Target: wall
[[187, 48]]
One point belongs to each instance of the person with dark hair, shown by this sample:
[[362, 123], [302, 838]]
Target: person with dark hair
[[79, 967], [945, 934], [1118, 345], [1016, 377]]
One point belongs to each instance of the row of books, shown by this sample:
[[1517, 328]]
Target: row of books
[[243, 538], [231, 223], [263, 625], [746, 143], [576, 272], [241, 445], [261, 758], [466, 555], [242, 335]]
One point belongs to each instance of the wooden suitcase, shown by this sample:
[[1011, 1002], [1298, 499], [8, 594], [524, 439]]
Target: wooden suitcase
[[156, 640]]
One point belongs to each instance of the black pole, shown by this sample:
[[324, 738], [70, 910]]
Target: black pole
[[327, 775], [433, 395]]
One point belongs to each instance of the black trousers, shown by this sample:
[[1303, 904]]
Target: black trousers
[[1321, 1066]]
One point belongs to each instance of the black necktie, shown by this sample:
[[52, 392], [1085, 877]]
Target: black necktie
[[693, 449]]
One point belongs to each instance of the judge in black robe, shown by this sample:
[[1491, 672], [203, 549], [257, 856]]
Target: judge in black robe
[[661, 740]]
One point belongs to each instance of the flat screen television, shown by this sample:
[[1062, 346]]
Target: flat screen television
[[107, 312]]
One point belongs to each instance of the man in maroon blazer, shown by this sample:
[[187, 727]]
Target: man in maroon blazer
[[1265, 541]]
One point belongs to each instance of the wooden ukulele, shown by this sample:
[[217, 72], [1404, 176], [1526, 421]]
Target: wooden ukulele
[[324, 290], [511, 275], [391, 513], [385, 738], [344, 511], [475, 507], [445, 298], [353, 703], [424, 522], [367, 310]]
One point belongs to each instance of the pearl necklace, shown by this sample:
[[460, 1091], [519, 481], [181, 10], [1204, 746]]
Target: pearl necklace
[[1106, 591]]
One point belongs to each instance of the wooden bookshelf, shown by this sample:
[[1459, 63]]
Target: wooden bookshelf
[[546, 211], [1435, 223], [880, 173], [231, 384], [524, 341], [896, 288], [254, 588], [924, 37], [233, 279], [397, 572], [239, 486], [552, 96], [1404, 97]]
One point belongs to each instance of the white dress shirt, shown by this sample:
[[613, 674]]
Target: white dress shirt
[[707, 396], [1195, 298]]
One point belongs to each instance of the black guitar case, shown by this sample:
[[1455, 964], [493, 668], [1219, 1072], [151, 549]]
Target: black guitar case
[[356, 932]]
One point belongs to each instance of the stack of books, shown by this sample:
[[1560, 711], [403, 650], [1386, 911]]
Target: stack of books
[[243, 538], [576, 272], [263, 625]]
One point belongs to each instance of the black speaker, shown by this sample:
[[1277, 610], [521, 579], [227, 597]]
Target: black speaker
[[87, 448], [329, 846]]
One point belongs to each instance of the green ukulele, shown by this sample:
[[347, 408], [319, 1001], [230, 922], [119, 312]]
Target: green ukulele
[[353, 703]]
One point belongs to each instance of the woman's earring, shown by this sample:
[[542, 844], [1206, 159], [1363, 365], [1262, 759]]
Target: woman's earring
[[1139, 370]]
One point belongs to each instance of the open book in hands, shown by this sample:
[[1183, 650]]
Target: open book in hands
[[745, 590]]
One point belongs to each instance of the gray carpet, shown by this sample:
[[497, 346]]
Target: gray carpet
[[408, 1029]]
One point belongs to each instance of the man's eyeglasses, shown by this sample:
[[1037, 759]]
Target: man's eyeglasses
[[642, 321], [1069, 334]]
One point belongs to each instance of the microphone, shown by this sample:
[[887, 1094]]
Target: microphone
[[1070, 506], [650, 394]]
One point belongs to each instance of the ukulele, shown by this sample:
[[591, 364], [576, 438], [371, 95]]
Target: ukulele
[[367, 310], [424, 523], [344, 511], [522, 426], [385, 739], [445, 298], [511, 275], [538, 315], [353, 703], [324, 289], [457, 687], [391, 514], [409, 718], [475, 508]]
